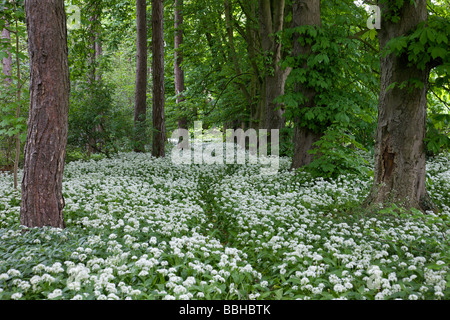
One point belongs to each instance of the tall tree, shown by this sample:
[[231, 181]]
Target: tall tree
[[95, 52], [271, 14], [159, 125], [304, 13], [7, 61], [400, 150], [7, 72], [229, 21], [140, 102], [18, 99], [254, 90], [45, 149], [178, 70]]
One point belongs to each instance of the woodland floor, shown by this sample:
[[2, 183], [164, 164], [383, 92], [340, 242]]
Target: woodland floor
[[144, 228]]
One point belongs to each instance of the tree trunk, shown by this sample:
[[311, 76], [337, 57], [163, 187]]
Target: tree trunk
[[45, 149], [159, 126], [95, 46], [178, 71], [228, 7], [271, 21], [274, 112], [18, 101], [400, 150], [7, 62], [140, 102], [253, 42], [304, 13], [98, 54], [94, 76], [7, 71], [304, 140]]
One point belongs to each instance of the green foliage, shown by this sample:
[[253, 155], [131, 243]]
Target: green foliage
[[438, 130], [427, 44], [14, 95], [10, 11], [286, 142], [343, 70], [95, 122], [10, 125], [337, 153], [345, 88]]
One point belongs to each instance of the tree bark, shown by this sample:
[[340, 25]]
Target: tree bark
[[159, 126], [271, 21], [251, 35], [7, 71], [400, 150], [7, 62], [178, 71], [18, 101], [140, 102], [98, 54], [228, 6], [95, 43], [95, 76], [45, 149], [304, 13]]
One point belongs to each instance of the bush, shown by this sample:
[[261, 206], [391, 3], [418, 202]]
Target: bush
[[95, 122], [337, 153]]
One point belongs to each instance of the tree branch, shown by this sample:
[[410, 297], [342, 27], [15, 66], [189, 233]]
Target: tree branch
[[357, 36], [445, 103]]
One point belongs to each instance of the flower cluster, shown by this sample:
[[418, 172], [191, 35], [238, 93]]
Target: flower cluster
[[144, 228]]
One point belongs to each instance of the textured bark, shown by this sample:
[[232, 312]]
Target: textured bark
[[400, 150], [271, 13], [304, 13], [179, 73], [95, 75], [95, 44], [304, 140], [7, 72], [140, 100], [159, 126], [18, 100], [98, 53], [7, 62], [253, 42], [243, 87], [42, 199]]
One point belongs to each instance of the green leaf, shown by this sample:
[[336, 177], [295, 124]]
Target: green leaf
[[399, 43], [431, 35], [423, 37], [312, 32], [391, 86], [279, 294], [441, 38], [309, 115], [438, 52], [416, 48]]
